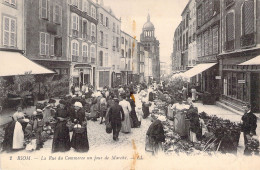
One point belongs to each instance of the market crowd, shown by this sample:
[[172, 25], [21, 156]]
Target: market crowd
[[120, 109]]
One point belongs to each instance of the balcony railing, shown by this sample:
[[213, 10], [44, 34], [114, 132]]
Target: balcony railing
[[247, 40], [230, 45], [75, 58], [93, 60]]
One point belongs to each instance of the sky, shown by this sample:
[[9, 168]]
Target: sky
[[165, 15]]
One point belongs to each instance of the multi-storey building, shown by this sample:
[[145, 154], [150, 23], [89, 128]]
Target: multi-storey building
[[240, 46], [12, 30], [177, 49], [208, 17], [108, 71], [141, 59], [128, 57], [151, 44], [185, 36], [82, 40], [192, 48], [46, 34]]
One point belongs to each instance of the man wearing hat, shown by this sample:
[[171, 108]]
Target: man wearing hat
[[116, 116], [38, 128], [249, 124]]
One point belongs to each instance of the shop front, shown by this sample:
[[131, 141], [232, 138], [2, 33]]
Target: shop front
[[104, 77], [240, 83], [81, 74]]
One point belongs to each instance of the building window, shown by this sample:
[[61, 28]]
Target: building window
[[114, 27], [44, 43], [106, 40], [230, 32], [101, 38], [106, 59], [9, 32], [215, 40], [57, 14], [75, 24], [100, 58], [107, 22], [122, 53], [202, 45], [92, 52], [93, 32], [206, 41], [93, 11], [75, 48], [122, 40], [117, 29], [58, 46], [228, 3], [52, 46], [85, 51], [117, 42], [85, 5], [248, 35], [11, 2], [101, 19], [44, 8], [84, 29]]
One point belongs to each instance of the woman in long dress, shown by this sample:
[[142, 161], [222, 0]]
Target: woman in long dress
[[179, 118], [61, 138], [79, 141], [14, 134], [126, 124], [193, 94]]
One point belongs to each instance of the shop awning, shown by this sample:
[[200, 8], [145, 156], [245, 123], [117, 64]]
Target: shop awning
[[253, 61], [14, 63], [198, 69]]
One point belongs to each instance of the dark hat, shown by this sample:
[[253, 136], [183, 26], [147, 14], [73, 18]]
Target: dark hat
[[52, 101], [62, 102]]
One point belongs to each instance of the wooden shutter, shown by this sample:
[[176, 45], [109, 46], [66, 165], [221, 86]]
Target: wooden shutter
[[52, 46], [248, 13], [6, 31], [42, 43], [230, 27], [47, 41]]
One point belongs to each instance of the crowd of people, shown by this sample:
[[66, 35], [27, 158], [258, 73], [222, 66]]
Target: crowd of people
[[120, 108]]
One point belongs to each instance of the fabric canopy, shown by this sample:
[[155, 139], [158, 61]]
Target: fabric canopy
[[253, 61], [198, 69], [14, 63]]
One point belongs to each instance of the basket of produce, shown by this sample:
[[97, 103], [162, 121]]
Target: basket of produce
[[79, 129]]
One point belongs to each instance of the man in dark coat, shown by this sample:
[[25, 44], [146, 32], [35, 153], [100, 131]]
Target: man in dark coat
[[249, 124], [116, 116]]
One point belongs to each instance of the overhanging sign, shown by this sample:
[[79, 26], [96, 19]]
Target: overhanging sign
[[241, 81], [218, 77]]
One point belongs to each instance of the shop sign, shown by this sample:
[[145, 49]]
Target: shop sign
[[218, 77], [241, 81]]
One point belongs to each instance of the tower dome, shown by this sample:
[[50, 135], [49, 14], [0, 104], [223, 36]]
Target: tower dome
[[148, 25]]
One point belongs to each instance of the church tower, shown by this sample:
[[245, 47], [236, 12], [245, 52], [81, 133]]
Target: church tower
[[152, 45]]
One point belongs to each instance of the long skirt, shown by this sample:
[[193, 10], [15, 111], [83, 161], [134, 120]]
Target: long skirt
[[18, 138], [61, 138], [126, 124], [179, 122], [79, 141], [145, 111], [8, 138], [134, 119]]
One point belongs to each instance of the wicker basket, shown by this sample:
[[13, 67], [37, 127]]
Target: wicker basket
[[79, 129]]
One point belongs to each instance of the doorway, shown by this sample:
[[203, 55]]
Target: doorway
[[255, 92]]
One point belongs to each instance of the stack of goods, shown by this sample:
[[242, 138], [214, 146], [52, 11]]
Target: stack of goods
[[253, 145], [47, 132], [226, 133], [160, 107]]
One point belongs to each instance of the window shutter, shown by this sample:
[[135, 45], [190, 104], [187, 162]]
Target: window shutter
[[6, 30], [13, 33], [47, 43], [52, 46], [44, 8], [248, 17], [215, 40], [60, 14], [49, 10], [230, 27], [42, 43]]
